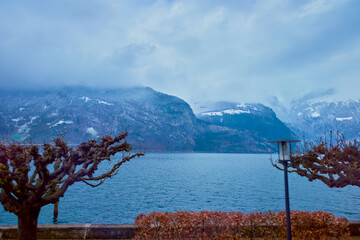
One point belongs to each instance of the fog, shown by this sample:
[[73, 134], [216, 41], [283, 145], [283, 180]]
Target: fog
[[202, 50]]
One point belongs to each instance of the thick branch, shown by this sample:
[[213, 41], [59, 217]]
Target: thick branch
[[42, 187], [336, 165]]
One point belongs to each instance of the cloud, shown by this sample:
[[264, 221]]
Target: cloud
[[198, 50], [317, 7], [128, 56]]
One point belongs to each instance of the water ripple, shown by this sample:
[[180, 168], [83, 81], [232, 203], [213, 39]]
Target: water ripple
[[194, 182]]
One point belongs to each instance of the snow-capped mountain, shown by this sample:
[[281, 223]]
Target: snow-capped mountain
[[317, 118], [258, 119], [155, 121], [316, 114]]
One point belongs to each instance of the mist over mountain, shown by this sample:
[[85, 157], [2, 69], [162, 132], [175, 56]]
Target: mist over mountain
[[155, 121]]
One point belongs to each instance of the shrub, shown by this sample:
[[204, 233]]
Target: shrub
[[237, 225]]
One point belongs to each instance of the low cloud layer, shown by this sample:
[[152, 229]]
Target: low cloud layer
[[197, 50]]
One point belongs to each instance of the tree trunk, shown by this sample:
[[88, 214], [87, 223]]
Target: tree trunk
[[27, 224], [56, 210]]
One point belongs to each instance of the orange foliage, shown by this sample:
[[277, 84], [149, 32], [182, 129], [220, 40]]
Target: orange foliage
[[237, 225]]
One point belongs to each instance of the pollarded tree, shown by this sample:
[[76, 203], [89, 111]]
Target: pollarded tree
[[336, 165], [32, 177]]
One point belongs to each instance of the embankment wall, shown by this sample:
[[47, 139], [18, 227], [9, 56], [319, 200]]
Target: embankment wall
[[99, 231]]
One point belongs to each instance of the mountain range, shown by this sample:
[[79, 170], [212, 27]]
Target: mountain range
[[316, 114], [155, 121], [160, 122]]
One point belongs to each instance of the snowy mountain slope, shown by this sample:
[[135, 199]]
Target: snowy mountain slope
[[317, 118], [155, 121], [258, 119], [318, 113]]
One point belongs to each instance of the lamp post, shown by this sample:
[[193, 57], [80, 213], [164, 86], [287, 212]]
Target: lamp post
[[284, 150]]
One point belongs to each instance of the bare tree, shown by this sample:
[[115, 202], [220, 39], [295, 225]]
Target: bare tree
[[336, 165], [32, 177]]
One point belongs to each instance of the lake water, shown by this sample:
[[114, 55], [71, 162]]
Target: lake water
[[195, 181]]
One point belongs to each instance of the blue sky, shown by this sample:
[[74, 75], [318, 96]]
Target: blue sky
[[200, 50]]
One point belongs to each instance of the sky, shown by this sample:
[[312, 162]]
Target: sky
[[203, 50]]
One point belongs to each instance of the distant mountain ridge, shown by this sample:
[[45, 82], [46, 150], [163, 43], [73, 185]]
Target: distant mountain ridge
[[316, 119], [257, 119], [316, 114], [155, 121]]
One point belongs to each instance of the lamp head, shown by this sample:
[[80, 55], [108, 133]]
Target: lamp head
[[284, 147]]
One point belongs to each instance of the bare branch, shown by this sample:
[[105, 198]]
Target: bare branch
[[95, 185], [42, 187], [336, 165]]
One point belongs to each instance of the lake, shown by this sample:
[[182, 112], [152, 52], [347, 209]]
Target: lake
[[195, 181]]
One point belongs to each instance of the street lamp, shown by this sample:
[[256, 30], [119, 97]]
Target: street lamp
[[284, 147]]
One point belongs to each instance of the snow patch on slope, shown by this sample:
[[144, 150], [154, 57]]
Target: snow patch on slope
[[103, 102], [315, 115], [25, 127], [228, 111], [17, 119], [86, 99], [92, 131], [62, 122], [235, 111], [213, 114], [343, 119]]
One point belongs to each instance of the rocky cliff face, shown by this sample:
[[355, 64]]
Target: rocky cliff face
[[155, 121]]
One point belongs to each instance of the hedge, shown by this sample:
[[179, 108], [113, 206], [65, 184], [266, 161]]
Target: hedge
[[237, 225]]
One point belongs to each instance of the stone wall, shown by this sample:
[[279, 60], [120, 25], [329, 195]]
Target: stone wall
[[75, 231], [98, 231]]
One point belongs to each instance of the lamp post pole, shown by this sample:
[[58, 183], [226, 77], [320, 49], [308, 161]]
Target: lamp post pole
[[287, 201], [284, 147]]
